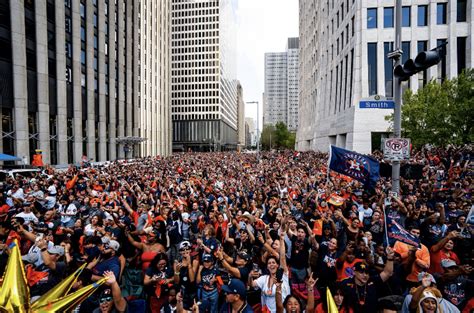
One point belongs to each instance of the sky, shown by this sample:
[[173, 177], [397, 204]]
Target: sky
[[262, 26]]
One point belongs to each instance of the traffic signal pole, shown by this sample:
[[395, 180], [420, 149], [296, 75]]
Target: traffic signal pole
[[397, 94]]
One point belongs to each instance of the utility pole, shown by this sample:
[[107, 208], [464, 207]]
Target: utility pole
[[397, 95], [403, 72]]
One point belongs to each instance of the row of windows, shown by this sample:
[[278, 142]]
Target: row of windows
[[189, 101], [208, 71], [198, 42], [194, 57], [186, 109], [194, 94], [422, 15], [422, 76], [189, 117], [175, 87], [194, 64]]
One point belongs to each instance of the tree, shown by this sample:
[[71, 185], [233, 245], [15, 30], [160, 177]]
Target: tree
[[440, 114], [277, 137]]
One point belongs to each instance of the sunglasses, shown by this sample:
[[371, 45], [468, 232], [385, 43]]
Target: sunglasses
[[106, 299], [185, 249]]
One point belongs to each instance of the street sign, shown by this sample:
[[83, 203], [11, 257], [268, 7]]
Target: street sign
[[374, 104], [396, 149]]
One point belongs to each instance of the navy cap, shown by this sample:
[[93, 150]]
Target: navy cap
[[361, 267], [207, 257], [235, 286]]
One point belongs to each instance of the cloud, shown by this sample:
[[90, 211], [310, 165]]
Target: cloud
[[262, 26]]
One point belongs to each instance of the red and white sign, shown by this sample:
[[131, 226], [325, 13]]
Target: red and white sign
[[396, 149]]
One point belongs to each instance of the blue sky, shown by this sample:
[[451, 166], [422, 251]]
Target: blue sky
[[262, 26]]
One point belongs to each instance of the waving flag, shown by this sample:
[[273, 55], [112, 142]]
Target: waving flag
[[397, 233], [360, 167]]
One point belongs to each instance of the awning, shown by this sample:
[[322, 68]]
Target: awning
[[7, 157]]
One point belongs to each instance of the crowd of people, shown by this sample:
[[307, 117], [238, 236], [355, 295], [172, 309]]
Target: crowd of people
[[222, 232]]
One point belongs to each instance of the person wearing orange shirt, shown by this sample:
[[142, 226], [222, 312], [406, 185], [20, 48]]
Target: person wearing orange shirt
[[422, 256], [345, 263], [443, 250]]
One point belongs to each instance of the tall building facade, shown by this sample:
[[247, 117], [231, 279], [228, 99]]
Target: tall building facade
[[70, 78], [280, 102], [343, 59], [240, 117], [204, 88]]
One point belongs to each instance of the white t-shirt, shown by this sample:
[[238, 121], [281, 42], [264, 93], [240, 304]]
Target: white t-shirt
[[28, 217], [268, 295], [71, 209]]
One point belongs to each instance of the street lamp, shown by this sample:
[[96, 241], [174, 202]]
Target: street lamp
[[258, 137]]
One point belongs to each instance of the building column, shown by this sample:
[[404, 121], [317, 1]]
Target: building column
[[101, 155], [20, 94], [76, 80], [121, 73], [129, 70], [136, 100], [61, 119], [90, 130], [42, 79], [112, 75]]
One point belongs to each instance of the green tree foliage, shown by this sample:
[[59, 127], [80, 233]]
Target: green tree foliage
[[440, 114], [277, 137]]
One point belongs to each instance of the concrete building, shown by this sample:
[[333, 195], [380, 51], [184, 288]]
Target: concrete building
[[204, 86], [251, 139], [76, 77], [280, 100], [343, 48], [240, 116]]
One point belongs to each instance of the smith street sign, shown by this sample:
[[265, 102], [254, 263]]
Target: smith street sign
[[380, 104]]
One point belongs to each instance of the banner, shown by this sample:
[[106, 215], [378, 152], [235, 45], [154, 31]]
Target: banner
[[360, 167], [397, 233]]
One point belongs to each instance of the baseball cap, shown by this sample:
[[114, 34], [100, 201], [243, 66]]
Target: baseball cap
[[361, 267], [113, 244], [184, 244], [30, 258], [425, 274], [447, 263], [56, 250], [244, 255], [235, 286], [207, 257]]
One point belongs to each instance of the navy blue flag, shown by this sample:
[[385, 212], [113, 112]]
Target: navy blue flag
[[397, 233], [358, 166]]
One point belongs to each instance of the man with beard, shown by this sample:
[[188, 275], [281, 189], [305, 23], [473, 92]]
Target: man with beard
[[108, 261]]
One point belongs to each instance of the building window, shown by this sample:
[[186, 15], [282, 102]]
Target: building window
[[461, 11], [372, 68], [423, 75], [422, 15], [388, 64], [441, 13], [442, 64], [372, 18], [461, 49], [388, 17], [406, 16]]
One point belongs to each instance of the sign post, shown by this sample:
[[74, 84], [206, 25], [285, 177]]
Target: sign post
[[396, 149]]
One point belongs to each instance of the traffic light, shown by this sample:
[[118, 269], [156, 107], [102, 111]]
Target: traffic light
[[423, 61]]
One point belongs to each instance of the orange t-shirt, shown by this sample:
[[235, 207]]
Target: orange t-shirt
[[346, 270]]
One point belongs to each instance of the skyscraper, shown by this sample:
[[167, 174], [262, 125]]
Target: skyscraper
[[204, 88], [343, 59], [70, 78], [280, 101]]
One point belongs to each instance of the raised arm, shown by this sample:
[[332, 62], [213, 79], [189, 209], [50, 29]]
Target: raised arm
[[388, 269]]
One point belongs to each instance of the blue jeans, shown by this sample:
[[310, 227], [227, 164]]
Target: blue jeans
[[298, 275], [209, 300]]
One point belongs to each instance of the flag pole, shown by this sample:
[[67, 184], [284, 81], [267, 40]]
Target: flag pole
[[329, 163], [385, 225]]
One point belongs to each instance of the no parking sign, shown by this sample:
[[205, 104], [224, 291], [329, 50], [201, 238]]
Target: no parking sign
[[396, 149]]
